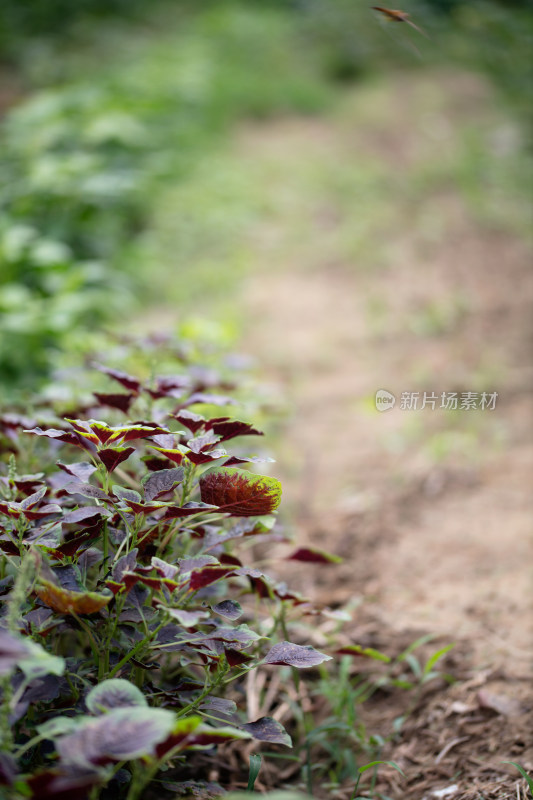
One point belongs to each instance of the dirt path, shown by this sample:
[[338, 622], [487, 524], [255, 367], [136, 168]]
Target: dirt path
[[383, 261]]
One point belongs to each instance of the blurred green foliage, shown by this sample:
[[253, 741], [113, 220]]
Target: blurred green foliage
[[492, 36], [496, 38], [135, 96], [82, 162], [18, 21]]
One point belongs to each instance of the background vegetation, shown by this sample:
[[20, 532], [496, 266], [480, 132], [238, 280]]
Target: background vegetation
[[116, 102]]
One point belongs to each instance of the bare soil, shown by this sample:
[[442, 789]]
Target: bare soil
[[431, 510]]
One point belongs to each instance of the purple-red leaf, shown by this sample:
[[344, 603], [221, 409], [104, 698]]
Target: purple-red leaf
[[28, 483], [248, 460], [139, 430], [192, 421], [229, 609], [131, 578], [241, 494], [82, 470], [314, 556], [205, 458], [363, 652], [238, 637], [220, 704], [120, 401], [82, 514], [125, 380], [119, 735], [111, 457], [143, 508], [63, 784], [68, 437], [196, 562], [33, 499], [268, 729], [235, 657], [87, 490], [126, 563], [173, 454], [85, 431], [229, 429], [295, 655], [188, 733], [114, 693], [200, 443], [164, 569], [71, 546], [162, 481], [170, 386], [43, 511], [209, 736], [189, 510], [127, 495], [207, 575], [188, 619], [209, 399], [12, 650]]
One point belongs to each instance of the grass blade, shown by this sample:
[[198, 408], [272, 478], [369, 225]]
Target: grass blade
[[255, 766]]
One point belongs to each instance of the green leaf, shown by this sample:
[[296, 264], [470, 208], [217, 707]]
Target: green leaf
[[414, 645], [432, 660], [40, 662], [528, 779], [255, 766], [413, 662], [375, 764], [369, 652]]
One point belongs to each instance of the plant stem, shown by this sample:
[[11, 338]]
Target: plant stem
[[140, 781], [17, 597], [356, 787], [135, 650], [93, 643], [205, 691], [6, 734], [105, 539]]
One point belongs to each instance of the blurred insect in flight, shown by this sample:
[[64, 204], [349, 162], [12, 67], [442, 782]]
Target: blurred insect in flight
[[394, 15]]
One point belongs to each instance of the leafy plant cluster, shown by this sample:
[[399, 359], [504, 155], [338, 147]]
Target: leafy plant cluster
[[126, 616]]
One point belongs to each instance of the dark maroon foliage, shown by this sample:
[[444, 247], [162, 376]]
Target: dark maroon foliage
[[239, 493], [161, 482], [120, 401], [313, 555], [121, 598], [267, 729], [294, 655]]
